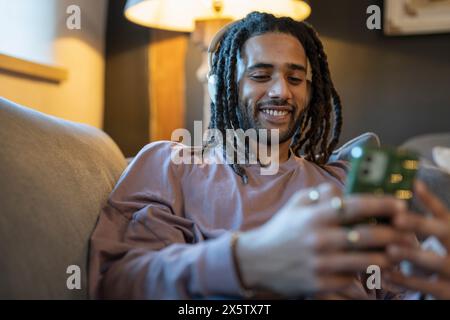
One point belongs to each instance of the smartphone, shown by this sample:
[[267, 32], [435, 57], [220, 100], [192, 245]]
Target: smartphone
[[384, 170]]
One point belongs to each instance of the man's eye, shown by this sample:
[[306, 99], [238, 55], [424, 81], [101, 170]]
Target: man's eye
[[295, 80], [260, 78]]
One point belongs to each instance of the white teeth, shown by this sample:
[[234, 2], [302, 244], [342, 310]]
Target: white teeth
[[275, 112]]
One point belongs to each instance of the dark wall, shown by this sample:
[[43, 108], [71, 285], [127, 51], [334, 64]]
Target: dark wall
[[398, 87], [126, 81]]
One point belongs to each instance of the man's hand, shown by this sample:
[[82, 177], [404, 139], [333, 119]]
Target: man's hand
[[438, 225], [305, 249]]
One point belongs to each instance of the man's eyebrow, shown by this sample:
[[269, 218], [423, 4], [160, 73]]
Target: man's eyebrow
[[294, 66], [261, 65]]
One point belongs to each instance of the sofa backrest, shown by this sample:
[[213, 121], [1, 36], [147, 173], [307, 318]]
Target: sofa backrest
[[424, 144], [436, 178], [55, 176]]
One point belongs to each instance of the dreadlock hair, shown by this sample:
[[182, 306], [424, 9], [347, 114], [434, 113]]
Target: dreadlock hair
[[313, 136]]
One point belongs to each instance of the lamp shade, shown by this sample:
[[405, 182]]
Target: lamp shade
[[180, 15]]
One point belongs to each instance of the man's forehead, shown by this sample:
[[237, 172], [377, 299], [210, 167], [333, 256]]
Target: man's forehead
[[273, 47]]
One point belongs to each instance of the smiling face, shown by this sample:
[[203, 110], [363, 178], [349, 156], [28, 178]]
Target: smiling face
[[272, 83]]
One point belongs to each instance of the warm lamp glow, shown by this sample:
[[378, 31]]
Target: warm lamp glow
[[180, 15]]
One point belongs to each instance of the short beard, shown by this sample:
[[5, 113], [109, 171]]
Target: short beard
[[247, 121]]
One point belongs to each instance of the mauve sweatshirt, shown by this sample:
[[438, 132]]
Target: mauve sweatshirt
[[166, 228]]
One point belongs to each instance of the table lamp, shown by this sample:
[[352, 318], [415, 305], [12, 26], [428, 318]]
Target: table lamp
[[203, 18]]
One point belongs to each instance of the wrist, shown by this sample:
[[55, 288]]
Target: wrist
[[244, 260], [245, 290]]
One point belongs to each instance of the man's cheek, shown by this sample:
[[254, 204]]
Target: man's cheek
[[248, 107], [254, 109]]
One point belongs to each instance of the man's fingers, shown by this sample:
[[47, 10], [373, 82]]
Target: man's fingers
[[350, 262], [427, 260], [315, 195], [328, 191], [368, 237], [431, 202], [435, 287], [356, 208], [333, 283], [424, 226], [339, 287]]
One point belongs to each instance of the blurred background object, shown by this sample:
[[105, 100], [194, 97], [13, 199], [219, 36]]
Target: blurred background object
[[416, 16], [203, 19], [395, 86], [36, 31]]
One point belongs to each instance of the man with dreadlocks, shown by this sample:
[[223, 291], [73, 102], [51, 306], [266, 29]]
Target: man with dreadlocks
[[177, 231]]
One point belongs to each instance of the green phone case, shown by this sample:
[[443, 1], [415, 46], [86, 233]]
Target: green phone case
[[382, 171]]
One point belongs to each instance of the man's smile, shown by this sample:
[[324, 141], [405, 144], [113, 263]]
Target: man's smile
[[276, 114]]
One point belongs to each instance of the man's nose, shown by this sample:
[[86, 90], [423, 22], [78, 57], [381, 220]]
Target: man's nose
[[280, 90]]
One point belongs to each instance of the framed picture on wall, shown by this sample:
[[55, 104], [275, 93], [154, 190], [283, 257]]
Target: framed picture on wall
[[409, 17]]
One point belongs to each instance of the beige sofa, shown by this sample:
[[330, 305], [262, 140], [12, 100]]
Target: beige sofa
[[55, 176]]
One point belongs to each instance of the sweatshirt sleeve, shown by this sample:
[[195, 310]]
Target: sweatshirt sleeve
[[143, 247]]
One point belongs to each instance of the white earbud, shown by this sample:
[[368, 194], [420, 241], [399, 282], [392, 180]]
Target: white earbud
[[213, 46], [212, 83]]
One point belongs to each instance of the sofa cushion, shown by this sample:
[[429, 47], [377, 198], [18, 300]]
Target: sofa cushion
[[435, 177], [441, 157], [424, 144], [368, 139], [55, 176]]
